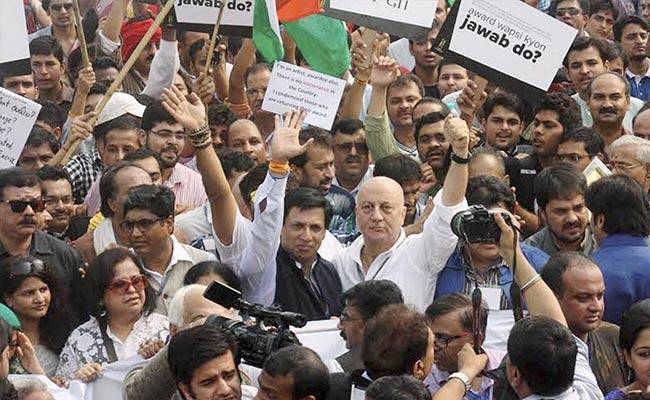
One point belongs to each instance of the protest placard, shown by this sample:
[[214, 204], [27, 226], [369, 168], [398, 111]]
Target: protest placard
[[507, 42], [14, 44], [17, 117], [201, 15], [292, 87], [405, 18]]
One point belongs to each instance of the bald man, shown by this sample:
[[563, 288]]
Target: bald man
[[609, 100], [383, 251], [244, 137], [489, 163]]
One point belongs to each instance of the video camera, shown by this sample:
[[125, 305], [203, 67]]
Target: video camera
[[270, 332], [477, 225]]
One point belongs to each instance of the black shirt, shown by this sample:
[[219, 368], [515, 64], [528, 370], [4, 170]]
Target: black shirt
[[522, 174]]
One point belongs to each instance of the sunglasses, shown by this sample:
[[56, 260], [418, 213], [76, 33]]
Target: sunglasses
[[59, 7], [122, 286], [361, 148], [571, 11], [27, 268], [143, 225], [18, 206]]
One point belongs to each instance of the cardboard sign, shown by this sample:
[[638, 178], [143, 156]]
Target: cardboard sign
[[201, 15], [292, 87], [405, 18], [14, 43], [17, 117], [507, 42]]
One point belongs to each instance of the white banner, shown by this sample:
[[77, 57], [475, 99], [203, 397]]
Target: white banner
[[17, 117], [411, 12], [237, 13], [14, 44]]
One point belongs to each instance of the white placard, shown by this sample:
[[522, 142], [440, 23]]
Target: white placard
[[17, 117], [412, 12], [237, 13], [513, 38], [14, 44], [292, 87]]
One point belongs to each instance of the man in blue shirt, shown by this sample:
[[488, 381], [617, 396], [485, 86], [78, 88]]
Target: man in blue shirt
[[632, 33], [620, 223]]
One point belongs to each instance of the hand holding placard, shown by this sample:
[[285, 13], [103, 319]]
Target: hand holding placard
[[17, 117]]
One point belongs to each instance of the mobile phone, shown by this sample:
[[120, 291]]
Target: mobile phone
[[222, 294]]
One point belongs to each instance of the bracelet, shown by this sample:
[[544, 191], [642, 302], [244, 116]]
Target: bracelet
[[464, 379], [530, 283], [200, 138], [361, 82], [279, 168], [458, 159]]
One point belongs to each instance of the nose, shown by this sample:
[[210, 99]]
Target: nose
[[222, 388], [353, 150], [330, 171], [584, 70]]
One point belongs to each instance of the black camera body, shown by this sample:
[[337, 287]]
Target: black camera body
[[477, 225], [254, 342]]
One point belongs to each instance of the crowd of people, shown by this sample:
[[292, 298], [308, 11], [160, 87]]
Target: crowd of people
[[114, 223]]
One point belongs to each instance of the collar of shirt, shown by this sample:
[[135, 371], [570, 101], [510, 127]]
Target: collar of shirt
[[637, 78], [179, 254], [116, 339], [379, 261], [569, 394], [38, 246], [623, 240], [585, 246], [364, 178]]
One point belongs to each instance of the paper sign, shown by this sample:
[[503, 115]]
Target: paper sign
[[596, 170], [512, 37], [405, 18], [14, 44], [17, 117], [202, 14], [292, 87]]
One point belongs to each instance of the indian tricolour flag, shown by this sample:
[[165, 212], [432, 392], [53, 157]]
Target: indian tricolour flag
[[266, 30]]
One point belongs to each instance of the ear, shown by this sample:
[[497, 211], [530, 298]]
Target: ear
[[112, 204], [601, 157], [418, 370], [506, 179], [142, 137], [411, 48], [169, 224], [628, 358], [8, 300], [185, 390], [542, 215], [57, 132], [606, 64], [514, 376]]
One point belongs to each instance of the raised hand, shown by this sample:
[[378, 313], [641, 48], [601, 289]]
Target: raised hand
[[86, 79], [457, 135], [384, 72], [285, 144], [190, 113], [204, 88], [82, 129], [470, 363], [27, 355]]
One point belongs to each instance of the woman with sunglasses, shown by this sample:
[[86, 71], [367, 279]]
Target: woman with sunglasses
[[30, 289], [121, 304]]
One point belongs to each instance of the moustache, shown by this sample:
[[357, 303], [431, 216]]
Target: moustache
[[353, 158], [607, 110], [434, 153], [27, 221], [170, 147], [571, 226]]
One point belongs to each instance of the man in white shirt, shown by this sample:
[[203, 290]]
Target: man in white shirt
[[384, 252]]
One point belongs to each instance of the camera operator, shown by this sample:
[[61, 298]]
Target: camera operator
[[480, 264]]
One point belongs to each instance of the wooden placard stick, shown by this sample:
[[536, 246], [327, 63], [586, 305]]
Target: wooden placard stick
[[214, 38], [80, 34], [126, 68]]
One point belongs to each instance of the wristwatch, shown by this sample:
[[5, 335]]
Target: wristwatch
[[458, 159], [463, 378]]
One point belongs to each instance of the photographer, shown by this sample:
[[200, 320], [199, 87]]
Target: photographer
[[481, 264]]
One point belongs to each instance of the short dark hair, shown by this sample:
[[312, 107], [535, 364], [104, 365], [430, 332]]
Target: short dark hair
[[509, 101], [309, 373], [103, 63], [155, 113], [558, 264], [254, 69], [603, 5], [616, 51], [394, 340], [252, 181], [193, 347], [398, 387], [17, 177], [461, 303], [123, 122], [564, 106], [433, 100], [370, 296], [108, 187], [306, 198], [489, 191], [97, 88], [157, 199], [39, 136], [404, 81], [99, 275], [594, 144], [561, 181], [430, 118], [235, 161], [51, 173], [196, 47], [620, 25], [46, 46], [321, 138], [623, 203], [549, 375], [142, 154], [399, 167], [585, 5], [51, 114], [582, 43], [212, 267], [347, 126], [633, 322], [220, 114]]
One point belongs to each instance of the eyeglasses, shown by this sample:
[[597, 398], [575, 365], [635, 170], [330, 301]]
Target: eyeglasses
[[59, 7], [346, 318], [52, 200], [179, 136], [442, 341], [560, 12], [143, 225], [621, 166], [122, 285], [360, 147], [18, 206], [26, 268]]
